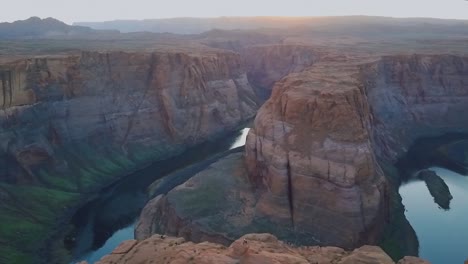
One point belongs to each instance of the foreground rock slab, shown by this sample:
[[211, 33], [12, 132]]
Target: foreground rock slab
[[249, 249]]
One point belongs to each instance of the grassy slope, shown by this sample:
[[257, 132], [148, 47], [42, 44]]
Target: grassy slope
[[27, 224]]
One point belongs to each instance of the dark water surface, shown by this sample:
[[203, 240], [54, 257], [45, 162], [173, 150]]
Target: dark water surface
[[108, 220], [442, 234]]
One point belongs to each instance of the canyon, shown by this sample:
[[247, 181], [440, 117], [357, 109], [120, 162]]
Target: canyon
[[336, 114], [317, 153], [96, 116]]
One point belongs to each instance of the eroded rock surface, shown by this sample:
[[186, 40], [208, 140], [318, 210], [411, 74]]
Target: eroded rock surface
[[70, 125], [215, 205], [133, 104], [267, 64], [312, 153], [412, 260], [413, 97], [437, 187], [251, 248]]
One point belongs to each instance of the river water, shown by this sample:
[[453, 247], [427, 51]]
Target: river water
[[442, 234], [110, 219]]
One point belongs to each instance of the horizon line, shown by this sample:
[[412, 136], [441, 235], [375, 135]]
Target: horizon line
[[240, 16]]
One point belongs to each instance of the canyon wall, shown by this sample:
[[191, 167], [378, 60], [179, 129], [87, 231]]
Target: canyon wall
[[416, 96], [315, 142], [71, 125], [311, 158], [153, 101], [267, 64], [313, 163]]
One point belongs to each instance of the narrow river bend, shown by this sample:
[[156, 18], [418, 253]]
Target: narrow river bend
[[105, 222]]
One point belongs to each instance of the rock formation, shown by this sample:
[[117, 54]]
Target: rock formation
[[163, 101], [267, 64], [310, 162], [314, 162], [311, 157], [415, 96], [70, 125], [215, 205], [437, 187], [251, 248]]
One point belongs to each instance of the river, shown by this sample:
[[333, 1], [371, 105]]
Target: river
[[442, 234], [108, 220]]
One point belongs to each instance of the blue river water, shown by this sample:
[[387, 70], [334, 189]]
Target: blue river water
[[120, 206], [442, 234]]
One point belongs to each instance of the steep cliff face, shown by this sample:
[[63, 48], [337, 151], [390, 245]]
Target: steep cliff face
[[73, 124], [316, 141], [157, 100], [310, 155], [267, 64], [415, 96]]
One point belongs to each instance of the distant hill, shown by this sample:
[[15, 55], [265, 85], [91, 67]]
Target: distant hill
[[36, 27], [356, 23]]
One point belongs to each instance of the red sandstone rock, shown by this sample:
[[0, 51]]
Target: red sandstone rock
[[249, 249], [157, 102], [267, 64], [412, 260], [310, 155]]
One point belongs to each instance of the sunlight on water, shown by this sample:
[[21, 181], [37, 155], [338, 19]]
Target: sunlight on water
[[442, 235], [127, 232], [240, 141]]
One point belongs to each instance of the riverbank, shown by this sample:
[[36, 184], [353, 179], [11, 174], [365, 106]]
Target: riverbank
[[442, 232], [401, 236], [37, 235], [120, 206]]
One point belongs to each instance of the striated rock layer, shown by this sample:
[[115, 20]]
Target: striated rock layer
[[413, 97], [70, 125], [310, 155], [252, 248], [159, 101], [315, 143], [315, 154], [267, 64]]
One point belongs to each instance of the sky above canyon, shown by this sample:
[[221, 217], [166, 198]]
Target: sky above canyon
[[101, 10]]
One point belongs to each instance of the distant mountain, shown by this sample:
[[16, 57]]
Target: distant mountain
[[36, 27], [199, 25]]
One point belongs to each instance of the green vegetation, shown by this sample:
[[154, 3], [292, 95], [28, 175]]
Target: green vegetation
[[29, 213], [207, 200], [26, 222]]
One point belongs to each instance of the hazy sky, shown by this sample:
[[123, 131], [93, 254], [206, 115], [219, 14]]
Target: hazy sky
[[99, 10]]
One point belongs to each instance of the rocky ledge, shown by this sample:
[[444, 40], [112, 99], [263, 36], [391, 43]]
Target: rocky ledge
[[251, 248]]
